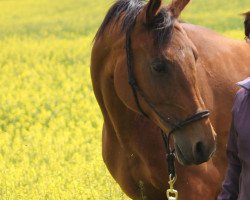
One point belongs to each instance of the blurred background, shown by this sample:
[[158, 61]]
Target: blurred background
[[50, 123]]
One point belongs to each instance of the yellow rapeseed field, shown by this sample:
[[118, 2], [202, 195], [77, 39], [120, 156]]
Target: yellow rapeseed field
[[50, 123]]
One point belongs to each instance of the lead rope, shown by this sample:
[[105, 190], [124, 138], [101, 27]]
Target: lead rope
[[171, 193]]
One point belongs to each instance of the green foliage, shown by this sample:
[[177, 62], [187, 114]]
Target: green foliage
[[50, 123]]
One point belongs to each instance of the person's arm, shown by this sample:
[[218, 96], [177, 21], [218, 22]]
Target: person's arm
[[230, 187]]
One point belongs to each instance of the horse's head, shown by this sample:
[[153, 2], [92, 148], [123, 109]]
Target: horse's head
[[164, 67]]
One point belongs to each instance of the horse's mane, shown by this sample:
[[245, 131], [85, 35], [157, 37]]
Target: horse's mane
[[161, 26]]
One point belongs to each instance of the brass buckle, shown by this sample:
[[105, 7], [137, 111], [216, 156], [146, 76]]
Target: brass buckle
[[172, 194]]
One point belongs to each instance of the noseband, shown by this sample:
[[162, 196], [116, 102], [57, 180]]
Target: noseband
[[168, 120]]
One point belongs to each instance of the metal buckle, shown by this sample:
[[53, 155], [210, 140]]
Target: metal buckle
[[172, 194]]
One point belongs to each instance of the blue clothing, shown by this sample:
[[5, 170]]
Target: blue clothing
[[236, 185]]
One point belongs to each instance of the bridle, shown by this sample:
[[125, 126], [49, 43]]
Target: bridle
[[170, 156]]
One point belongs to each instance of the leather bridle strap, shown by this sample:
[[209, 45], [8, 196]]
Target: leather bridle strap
[[170, 156], [168, 120], [131, 79], [136, 90]]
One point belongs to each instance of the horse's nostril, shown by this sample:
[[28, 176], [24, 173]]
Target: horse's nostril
[[199, 150]]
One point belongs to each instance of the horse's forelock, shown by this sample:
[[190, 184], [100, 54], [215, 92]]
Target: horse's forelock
[[162, 27]]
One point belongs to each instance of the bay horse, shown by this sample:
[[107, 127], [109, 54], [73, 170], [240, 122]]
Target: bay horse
[[149, 72]]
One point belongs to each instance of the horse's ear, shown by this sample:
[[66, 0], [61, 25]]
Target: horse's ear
[[177, 6], [247, 24], [152, 9]]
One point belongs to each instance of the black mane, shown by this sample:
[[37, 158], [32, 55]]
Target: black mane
[[161, 27]]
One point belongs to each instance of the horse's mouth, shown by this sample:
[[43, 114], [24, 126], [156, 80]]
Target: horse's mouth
[[180, 156], [185, 161]]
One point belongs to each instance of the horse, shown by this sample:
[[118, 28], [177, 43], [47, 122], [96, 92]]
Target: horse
[[150, 73]]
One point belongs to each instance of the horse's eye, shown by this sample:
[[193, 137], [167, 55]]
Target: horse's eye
[[160, 67]]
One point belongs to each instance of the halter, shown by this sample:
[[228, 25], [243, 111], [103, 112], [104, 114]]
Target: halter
[[170, 156]]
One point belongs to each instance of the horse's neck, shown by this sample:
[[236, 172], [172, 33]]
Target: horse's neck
[[206, 39], [222, 62]]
